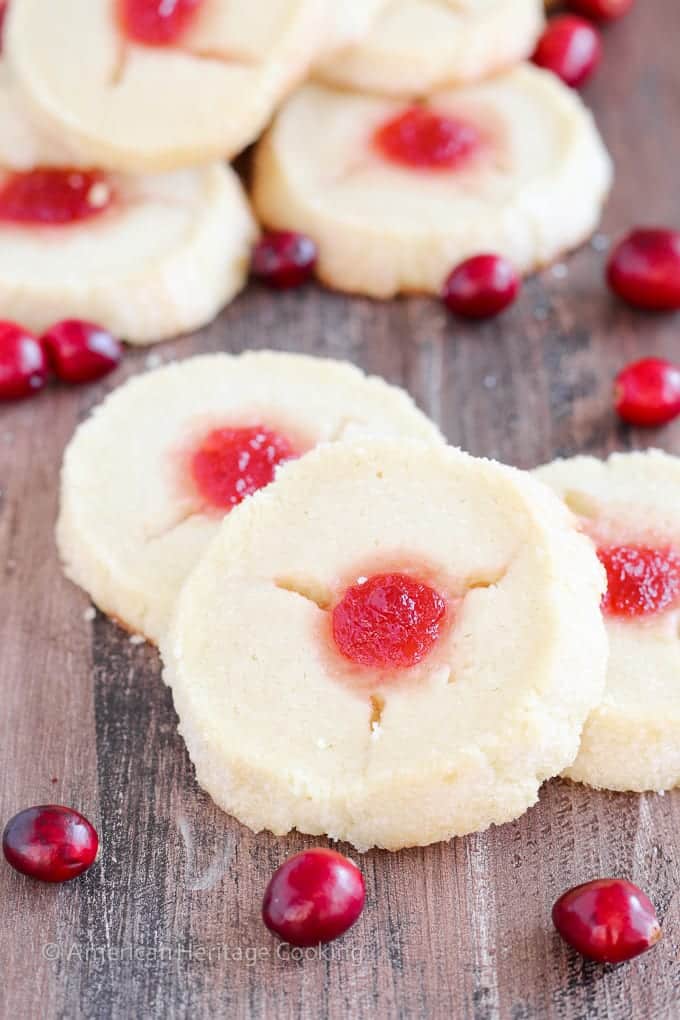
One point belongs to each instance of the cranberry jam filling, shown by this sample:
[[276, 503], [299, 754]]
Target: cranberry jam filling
[[232, 463], [423, 139], [641, 580], [388, 620], [156, 22], [50, 197]]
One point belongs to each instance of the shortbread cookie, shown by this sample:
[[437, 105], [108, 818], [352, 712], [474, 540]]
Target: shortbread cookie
[[394, 644], [416, 46], [147, 479], [351, 21], [22, 147], [395, 195], [147, 257], [205, 93], [630, 506]]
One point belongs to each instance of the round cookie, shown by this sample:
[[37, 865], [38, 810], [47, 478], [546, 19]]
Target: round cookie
[[21, 146], [288, 731], [147, 479], [520, 171], [147, 257], [416, 46], [138, 107], [632, 739], [351, 21]]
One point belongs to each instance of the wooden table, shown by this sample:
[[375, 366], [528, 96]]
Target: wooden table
[[167, 924]]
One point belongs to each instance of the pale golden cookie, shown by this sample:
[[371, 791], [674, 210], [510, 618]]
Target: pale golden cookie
[[285, 732]]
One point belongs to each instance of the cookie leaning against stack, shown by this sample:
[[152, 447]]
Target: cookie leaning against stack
[[630, 506], [395, 643], [518, 170], [147, 479]]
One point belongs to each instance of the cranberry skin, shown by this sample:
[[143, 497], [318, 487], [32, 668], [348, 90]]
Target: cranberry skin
[[315, 896], [571, 48], [601, 10], [609, 920], [284, 259], [481, 287], [644, 269], [647, 392], [80, 351], [23, 363], [50, 842]]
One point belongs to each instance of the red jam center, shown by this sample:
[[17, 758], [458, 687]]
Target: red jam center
[[54, 197], [231, 464], [388, 620], [640, 580], [156, 22], [427, 140], [3, 13]]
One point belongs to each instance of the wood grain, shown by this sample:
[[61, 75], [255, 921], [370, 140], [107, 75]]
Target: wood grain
[[457, 930]]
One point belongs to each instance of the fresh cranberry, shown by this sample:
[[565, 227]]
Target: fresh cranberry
[[609, 920], [156, 22], [315, 896], [233, 463], [422, 138], [644, 269], [50, 842], [80, 351], [284, 259], [640, 580], [23, 363], [647, 392], [388, 620], [601, 10], [51, 197], [481, 286], [571, 48]]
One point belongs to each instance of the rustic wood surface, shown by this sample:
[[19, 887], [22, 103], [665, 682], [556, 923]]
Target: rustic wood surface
[[167, 923]]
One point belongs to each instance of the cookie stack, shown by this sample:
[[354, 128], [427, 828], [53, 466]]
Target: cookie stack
[[368, 633], [421, 137]]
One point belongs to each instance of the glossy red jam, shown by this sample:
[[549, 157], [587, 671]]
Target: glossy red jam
[[388, 620], [232, 463], [50, 197], [156, 22], [640, 580], [426, 140], [3, 14]]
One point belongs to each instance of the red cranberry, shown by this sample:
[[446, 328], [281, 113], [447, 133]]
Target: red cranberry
[[80, 351], [50, 842], [571, 48], [601, 10], [23, 363], [427, 140], [609, 920], [481, 286], [388, 620], [314, 897], [641, 580], [50, 197], [644, 269], [284, 259], [156, 22], [233, 463], [647, 392]]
